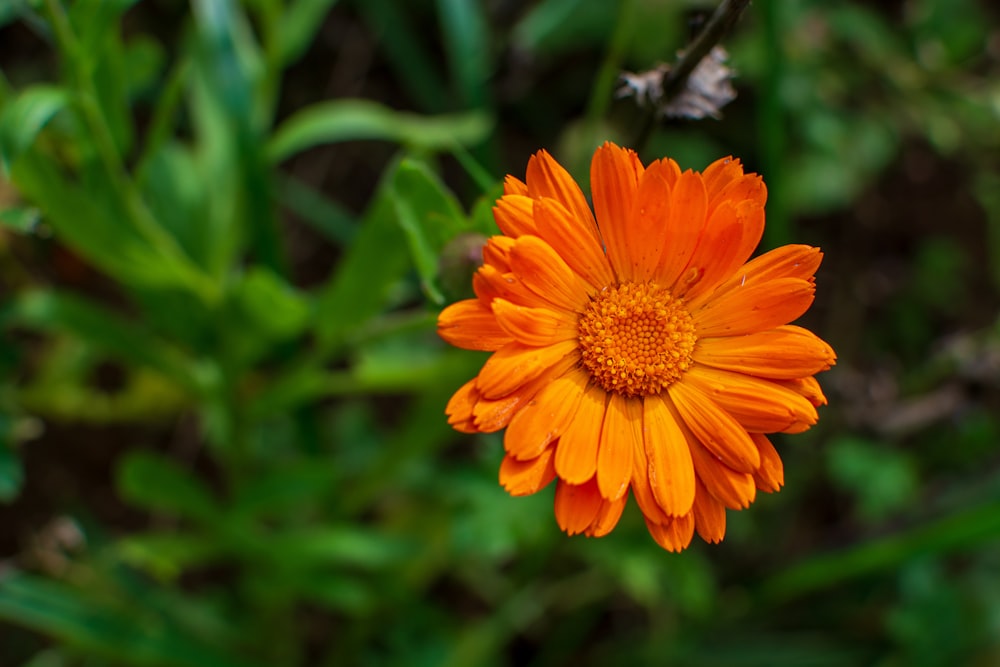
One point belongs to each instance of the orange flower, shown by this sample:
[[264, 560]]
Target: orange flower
[[639, 350]]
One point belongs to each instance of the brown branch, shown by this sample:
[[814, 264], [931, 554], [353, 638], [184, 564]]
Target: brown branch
[[676, 78]]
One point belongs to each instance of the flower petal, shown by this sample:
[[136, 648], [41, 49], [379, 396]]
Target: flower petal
[[642, 488], [648, 224], [489, 284], [607, 517], [574, 241], [576, 451], [514, 216], [546, 416], [620, 436], [534, 326], [614, 179], [671, 471], [459, 408], [469, 325], [688, 207], [754, 308], [715, 429], [522, 478], [730, 184], [516, 364], [576, 506], [547, 178], [783, 353], [732, 233], [493, 414], [736, 490], [546, 274], [771, 474], [496, 252], [514, 186], [790, 261], [709, 515], [808, 388], [758, 405], [674, 535]]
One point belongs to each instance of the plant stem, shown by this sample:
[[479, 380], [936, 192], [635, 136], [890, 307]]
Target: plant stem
[[718, 26], [135, 208]]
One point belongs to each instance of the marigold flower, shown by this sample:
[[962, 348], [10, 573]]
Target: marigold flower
[[639, 349]]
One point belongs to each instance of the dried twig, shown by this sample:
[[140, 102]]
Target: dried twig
[[697, 85]]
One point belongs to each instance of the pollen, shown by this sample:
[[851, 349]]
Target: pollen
[[636, 339]]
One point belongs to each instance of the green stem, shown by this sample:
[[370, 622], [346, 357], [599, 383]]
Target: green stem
[[771, 127], [135, 208]]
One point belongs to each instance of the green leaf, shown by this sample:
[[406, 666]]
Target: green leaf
[[467, 41], [959, 531], [107, 332], [21, 219], [366, 276], [417, 71], [132, 635], [430, 217], [345, 545], [299, 25], [168, 555], [328, 218], [347, 120], [160, 485], [271, 305], [26, 116], [284, 490], [11, 470]]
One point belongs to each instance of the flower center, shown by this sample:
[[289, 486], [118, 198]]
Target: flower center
[[636, 338]]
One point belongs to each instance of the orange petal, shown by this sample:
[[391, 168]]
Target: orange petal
[[514, 186], [642, 487], [489, 284], [674, 535], [790, 261], [671, 471], [547, 178], [709, 516], [771, 474], [493, 414], [783, 353], [719, 174], [534, 326], [614, 179], [607, 517], [808, 388], [576, 506], [688, 208], [648, 224], [748, 187], [715, 429], [514, 216], [459, 408], [754, 308], [620, 436], [522, 478], [736, 490], [573, 241], [470, 326], [576, 451], [515, 364], [732, 233], [758, 405], [496, 252], [545, 417], [546, 274]]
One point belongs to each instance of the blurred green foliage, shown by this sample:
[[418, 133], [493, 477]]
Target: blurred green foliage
[[285, 488]]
